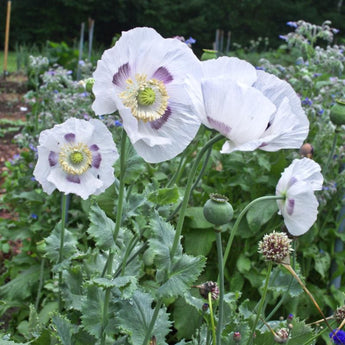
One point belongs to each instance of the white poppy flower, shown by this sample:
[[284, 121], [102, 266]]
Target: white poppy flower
[[76, 157], [297, 185], [142, 77], [252, 109], [287, 127]]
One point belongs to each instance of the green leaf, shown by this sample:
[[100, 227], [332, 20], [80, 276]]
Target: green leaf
[[92, 310], [182, 313], [164, 196], [323, 263], [101, 228], [127, 284], [135, 316], [72, 289], [261, 213], [243, 264], [161, 242], [19, 288], [283, 283], [198, 241], [185, 269], [197, 219], [64, 329], [53, 244]]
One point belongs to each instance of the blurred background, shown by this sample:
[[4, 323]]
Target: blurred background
[[36, 21]]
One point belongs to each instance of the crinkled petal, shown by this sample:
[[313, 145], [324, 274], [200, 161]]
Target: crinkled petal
[[299, 209], [144, 52], [87, 186], [230, 67], [304, 169], [42, 169], [289, 126], [229, 111]]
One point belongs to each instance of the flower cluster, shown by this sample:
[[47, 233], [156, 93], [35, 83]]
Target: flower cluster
[[276, 247], [338, 337]]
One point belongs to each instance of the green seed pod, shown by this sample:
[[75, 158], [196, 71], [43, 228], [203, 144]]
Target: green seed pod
[[208, 54], [217, 210], [337, 114]]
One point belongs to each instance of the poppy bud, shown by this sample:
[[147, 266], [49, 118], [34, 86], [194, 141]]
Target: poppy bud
[[337, 114], [217, 210], [306, 150], [237, 337]]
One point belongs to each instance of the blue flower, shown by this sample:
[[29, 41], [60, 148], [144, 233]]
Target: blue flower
[[307, 101], [338, 338], [33, 216], [283, 37], [292, 24], [117, 123], [190, 40]]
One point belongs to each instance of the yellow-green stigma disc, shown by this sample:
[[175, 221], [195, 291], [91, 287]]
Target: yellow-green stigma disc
[[146, 96], [75, 159]]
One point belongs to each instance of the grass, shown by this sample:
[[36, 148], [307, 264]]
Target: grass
[[11, 62]]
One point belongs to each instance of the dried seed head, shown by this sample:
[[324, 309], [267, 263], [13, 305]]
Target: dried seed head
[[339, 314], [276, 247], [209, 287], [282, 336]]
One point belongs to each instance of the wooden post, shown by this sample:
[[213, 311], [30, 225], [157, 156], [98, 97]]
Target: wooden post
[[7, 34], [81, 48], [91, 29]]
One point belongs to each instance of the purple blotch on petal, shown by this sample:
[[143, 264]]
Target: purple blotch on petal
[[70, 137], [96, 160], [221, 127], [94, 147], [290, 206], [157, 124], [122, 74], [52, 158], [163, 74], [73, 178]]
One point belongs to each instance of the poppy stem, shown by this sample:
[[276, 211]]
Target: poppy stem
[[239, 218], [188, 191], [62, 240]]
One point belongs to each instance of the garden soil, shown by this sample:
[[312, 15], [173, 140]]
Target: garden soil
[[12, 105]]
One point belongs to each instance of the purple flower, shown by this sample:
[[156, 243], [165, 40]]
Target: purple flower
[[338, 337], [283, 37], [307, 101], [292, 24], [190, 41]]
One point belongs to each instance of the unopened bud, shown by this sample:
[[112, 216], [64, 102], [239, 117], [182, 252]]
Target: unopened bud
[[306, 150], [205, 307], [237, 337]]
